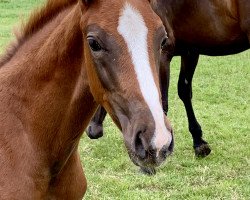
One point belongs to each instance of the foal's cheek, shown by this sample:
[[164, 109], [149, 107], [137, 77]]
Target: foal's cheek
[[104, 78], [107, 75], [111, 108]]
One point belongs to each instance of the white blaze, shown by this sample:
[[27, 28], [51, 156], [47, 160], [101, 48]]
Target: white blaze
[[134, 31]]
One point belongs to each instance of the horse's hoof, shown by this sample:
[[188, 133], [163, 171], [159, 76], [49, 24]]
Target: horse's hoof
[[202, 151], [148, 171], [94, 131]]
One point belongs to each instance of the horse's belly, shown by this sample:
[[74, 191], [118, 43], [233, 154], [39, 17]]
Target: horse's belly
[[224, 49], [213, 47]]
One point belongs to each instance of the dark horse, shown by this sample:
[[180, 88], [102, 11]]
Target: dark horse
[[214, 28], [71, 56]]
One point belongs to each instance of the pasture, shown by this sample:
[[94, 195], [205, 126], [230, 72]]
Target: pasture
[[221, 97]]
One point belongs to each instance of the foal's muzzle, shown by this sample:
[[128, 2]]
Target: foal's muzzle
[[141, 147], [144, 155]]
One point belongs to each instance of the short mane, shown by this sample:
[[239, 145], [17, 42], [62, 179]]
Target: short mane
[[37, 20]]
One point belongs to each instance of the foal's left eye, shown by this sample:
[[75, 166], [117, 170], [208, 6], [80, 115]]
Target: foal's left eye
[[94, 45]]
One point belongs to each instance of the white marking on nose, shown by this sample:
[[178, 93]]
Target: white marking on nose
[[134, 31]]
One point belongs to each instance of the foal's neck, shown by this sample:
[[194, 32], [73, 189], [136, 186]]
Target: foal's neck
[[54, 83]]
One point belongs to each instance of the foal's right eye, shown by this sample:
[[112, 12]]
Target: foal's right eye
[[94, 45], [164, 44]]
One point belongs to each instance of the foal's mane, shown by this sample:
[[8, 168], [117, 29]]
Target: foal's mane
[[36, 21]]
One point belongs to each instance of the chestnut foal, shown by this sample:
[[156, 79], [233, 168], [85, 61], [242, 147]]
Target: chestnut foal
[[214, 28], [71, 56]]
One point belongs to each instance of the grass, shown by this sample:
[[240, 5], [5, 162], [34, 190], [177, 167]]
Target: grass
[[221, 90]]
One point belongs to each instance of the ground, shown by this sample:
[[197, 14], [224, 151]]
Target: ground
[[221, 101]]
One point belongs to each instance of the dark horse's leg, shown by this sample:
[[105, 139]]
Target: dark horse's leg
[[95, 128], [188, 65]]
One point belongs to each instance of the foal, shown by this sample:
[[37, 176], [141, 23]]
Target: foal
[[70, 57], [213, 28]]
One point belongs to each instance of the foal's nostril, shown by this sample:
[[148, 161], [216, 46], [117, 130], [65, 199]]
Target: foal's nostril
[[164, 152], [139, 147], [140, 144]]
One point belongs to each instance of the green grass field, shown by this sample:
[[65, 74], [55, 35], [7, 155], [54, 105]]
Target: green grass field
[[221, 91]]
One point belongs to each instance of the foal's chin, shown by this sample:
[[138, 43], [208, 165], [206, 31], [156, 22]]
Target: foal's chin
[[148, 162], [148, 165]]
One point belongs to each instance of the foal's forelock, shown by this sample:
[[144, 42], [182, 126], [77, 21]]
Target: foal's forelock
[[134, 30]]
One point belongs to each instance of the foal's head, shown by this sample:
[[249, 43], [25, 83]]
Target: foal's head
[[123, 42]]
